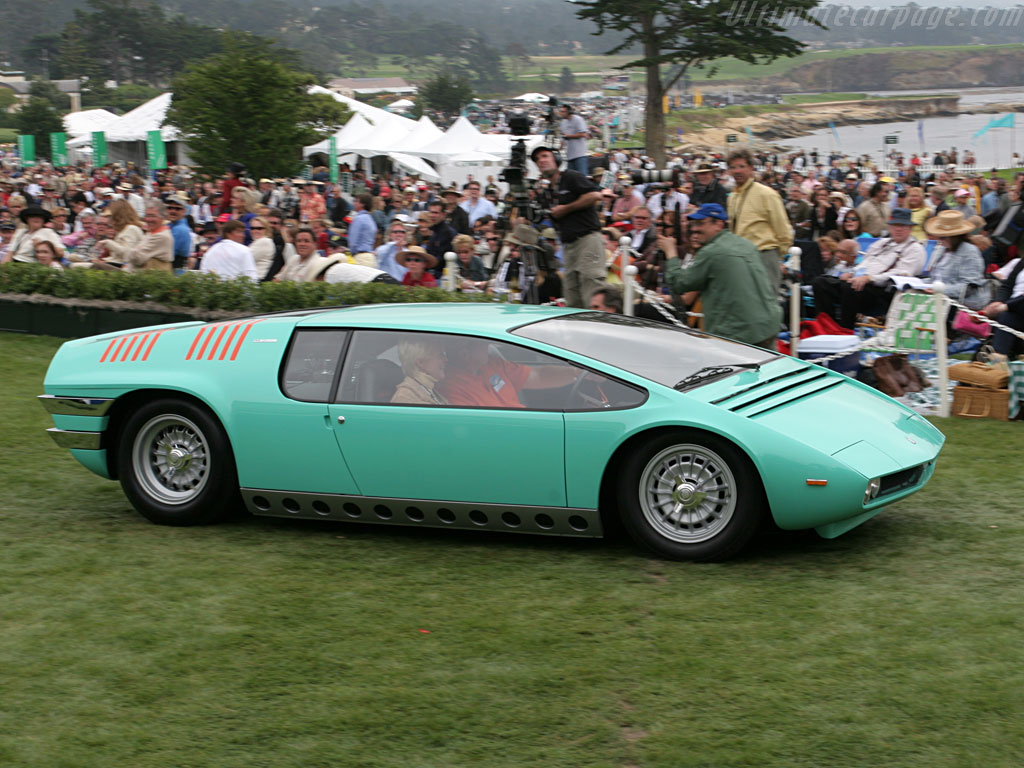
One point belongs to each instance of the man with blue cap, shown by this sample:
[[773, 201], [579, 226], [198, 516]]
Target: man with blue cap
[[738, 298]]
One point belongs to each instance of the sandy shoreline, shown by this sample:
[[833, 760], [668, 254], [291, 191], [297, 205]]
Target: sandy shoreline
[[800, 120]]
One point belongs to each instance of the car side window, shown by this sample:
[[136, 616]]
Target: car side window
[[447, 370], [311, 363]]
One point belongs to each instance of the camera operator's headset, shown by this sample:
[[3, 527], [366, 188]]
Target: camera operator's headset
[[552, 150]]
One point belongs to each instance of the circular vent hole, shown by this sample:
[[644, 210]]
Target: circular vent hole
[[578, 523], [414, 513], [321, 508], [352, 510], [544, 521], [446, 515], [262, 503], [511, 519], [291, 505], [478, 517], [382, 511]]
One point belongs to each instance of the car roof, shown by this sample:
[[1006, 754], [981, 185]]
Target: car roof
[[456, 317]]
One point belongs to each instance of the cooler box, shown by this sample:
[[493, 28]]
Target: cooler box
[[826, 345]]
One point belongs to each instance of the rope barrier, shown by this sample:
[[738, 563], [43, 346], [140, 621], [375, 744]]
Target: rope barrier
[[978, 316]]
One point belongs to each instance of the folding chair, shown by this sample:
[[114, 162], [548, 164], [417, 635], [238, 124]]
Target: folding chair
[[914, 325]]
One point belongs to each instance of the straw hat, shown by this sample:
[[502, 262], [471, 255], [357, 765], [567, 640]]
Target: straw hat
[[417, 251], [948, 224]]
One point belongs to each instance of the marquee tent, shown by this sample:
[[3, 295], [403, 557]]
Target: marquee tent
[[354, 130], [533, 98], [84, 123]]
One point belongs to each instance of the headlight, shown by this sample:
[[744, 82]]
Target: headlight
[[874, 486]]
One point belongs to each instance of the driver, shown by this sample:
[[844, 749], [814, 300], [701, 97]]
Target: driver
[[475, 377]]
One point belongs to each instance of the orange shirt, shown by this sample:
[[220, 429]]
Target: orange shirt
[[496, 386]]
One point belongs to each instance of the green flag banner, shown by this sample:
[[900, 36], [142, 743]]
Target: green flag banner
[[333, 162], [99, 149], [27, 151], [156, 152], [59, 148]]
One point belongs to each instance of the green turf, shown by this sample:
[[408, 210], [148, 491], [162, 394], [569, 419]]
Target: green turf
[[279, 643], [8, 135]]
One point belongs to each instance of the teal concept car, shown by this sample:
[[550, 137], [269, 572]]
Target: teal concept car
[[484, 416]]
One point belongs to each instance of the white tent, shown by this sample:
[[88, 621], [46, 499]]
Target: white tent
[[415, 165], [354, 130], [461, 137], [84, 123], [401, 104], [136, 125], [381, 140], [379, 117], [533, 98], [425, 133]]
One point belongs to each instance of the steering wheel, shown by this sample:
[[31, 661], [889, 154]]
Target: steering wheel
[[601, 401]]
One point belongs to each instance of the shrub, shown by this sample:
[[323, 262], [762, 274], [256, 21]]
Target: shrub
[[206, 291]]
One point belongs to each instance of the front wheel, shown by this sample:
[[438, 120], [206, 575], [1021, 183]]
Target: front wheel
[[176, 465], [691, 496]]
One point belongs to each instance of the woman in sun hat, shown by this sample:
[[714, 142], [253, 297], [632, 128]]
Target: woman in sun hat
[[34, 231], [417, 261], [956, 261]]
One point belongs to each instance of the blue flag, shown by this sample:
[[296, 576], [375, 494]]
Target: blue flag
[[1006, 121], [835, 133], [750, 135]]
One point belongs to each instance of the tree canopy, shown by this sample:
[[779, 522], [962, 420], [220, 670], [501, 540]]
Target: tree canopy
[[246, 105], [447, 92], [688, 33], [38, 118]]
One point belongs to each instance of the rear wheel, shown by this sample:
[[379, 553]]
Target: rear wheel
[[691, 496], [176, 465]]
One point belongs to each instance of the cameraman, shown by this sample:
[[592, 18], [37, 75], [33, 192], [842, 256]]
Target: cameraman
[[575, 218]]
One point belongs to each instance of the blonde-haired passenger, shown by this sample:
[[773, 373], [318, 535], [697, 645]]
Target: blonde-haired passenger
[[423, 363]]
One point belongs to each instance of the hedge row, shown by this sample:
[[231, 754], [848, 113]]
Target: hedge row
[[205, 291]]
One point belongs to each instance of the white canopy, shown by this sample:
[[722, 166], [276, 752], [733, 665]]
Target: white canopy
[[461, 137], [415, 165], [136, 125], [354, 130], [379, 117], [401, 104], [475, 157], [84, 123], [382, 140], [423, 134], [533, 98]]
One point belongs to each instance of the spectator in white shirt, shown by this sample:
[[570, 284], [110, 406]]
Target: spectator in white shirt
[[230, 258]]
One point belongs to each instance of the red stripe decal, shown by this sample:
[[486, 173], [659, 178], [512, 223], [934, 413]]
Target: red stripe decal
[[138, 349], [113, 357], [194, 342], [110, 346], [213, 349], [131, 343], [227, 342], [206, 341], [241, 338], [151, 343]]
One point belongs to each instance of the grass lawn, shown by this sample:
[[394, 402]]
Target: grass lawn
[[8, 135], [278, 643]]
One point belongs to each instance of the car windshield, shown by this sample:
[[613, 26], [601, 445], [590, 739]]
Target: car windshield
[[660, 352]]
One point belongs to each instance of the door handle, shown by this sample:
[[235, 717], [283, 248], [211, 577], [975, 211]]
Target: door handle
[[341, 419]]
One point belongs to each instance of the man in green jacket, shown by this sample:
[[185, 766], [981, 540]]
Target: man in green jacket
[[739, 302]]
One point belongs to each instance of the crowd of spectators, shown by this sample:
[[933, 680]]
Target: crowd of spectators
[[864, 228]]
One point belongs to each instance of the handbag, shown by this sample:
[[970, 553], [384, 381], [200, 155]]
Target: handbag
[[967, 324], [980, 375]]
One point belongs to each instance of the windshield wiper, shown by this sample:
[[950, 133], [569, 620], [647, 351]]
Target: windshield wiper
[[710, 371]]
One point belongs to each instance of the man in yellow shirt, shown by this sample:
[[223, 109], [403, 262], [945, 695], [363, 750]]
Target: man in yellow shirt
[[756, 213]]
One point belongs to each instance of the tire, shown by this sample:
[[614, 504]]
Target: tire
[[201, 489], [669, 506]]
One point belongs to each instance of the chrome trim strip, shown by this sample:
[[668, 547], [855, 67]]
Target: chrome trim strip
[[75, 406], [549, 521], [66, 438]]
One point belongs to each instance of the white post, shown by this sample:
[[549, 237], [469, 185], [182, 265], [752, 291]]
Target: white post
[[795, 297], [624, 245], [942, 352], [628, 299], [449, 271]]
